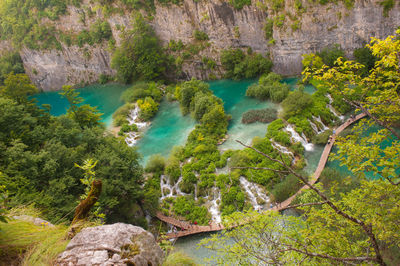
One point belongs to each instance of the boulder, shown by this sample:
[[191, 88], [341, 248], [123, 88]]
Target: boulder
[[115, 244]]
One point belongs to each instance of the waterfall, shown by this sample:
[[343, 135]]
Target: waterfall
[[297, 138], [166, 184], [315, 127], [254, 191], [214, 208], [132, 137], [341, 117], [282, 149]]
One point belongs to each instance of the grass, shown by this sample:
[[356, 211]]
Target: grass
[[179, 259], [29, 244]]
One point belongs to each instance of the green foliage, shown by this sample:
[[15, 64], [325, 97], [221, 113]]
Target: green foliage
[[269, 87], [33, 244], [120, 116], [387, 6], [186, 207], [37, 158], [260, 115], [85, 115], [178, 258], [239, 4], [148, 108], [269, 29], [330, 54], [312, 61], [10, 63], [365, 57], [156, 164], [140, 56], [200, 35], [295, 103], [276, 133], [142, 90], [17, 87], [126, 128], [285, 189], [238, 65], [322, 138]]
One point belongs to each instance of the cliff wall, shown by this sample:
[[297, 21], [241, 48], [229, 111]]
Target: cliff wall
[[318, 27]]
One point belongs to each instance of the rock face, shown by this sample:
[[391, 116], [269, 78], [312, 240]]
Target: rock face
[[319, 26], [116, 244]]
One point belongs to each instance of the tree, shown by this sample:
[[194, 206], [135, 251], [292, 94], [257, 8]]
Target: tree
[[140, 56], [338, 226], [85, 115], [18, 87]]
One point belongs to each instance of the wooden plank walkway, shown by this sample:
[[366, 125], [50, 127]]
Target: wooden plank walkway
[[189, 229]]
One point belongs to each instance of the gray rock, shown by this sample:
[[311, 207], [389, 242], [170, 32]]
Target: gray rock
[[320, 26], [115, 244]]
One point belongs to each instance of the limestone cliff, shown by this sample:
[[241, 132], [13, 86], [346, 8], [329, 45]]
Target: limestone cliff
[[318, 26]]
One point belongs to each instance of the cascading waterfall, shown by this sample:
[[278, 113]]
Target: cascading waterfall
[[132, 137], [165, 184], [214, 208], [282, 149], [341, 117], [254, 191], [315, 127], [297, 138]]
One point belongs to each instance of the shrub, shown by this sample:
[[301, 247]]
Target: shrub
[[239, 4], [142, 90], [269, 87], [269, 29], [330, 54], [200, 35], [120, 116], [295, 103], [364, 56], [156, 164], [288, 187], [262, 115], [322, 138], [148, 108], [238, 65], [125, 128]]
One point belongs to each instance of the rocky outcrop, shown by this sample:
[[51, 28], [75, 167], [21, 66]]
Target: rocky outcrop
[[319, 26], [116, 244]]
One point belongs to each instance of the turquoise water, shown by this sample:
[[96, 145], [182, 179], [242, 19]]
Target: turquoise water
[[233, 94], [168, 128], [105, 97], [292, 82]]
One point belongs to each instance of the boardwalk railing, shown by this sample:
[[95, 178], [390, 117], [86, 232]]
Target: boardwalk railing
[[189, 229]]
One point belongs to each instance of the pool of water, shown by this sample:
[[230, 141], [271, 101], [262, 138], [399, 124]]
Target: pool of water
[[105, 97], [233, 94], [168, 129]]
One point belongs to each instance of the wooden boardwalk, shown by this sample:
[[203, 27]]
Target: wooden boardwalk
[[190, 229]]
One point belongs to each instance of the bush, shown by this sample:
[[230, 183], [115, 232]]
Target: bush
[[322, 138], [148, 108], [10, 62], [288, 187], [365, 57], [238, 65], [186, 207], [125, 128], [200, 35], [120, 116], [295, 103], [156, 164], [330, 54], [262, 115], [142, 90], [239, 4], [269, 87], [140, 56]]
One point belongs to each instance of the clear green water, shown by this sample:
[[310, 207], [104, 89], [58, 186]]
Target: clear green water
[[105, 97], [292, 82], [168, 128]]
